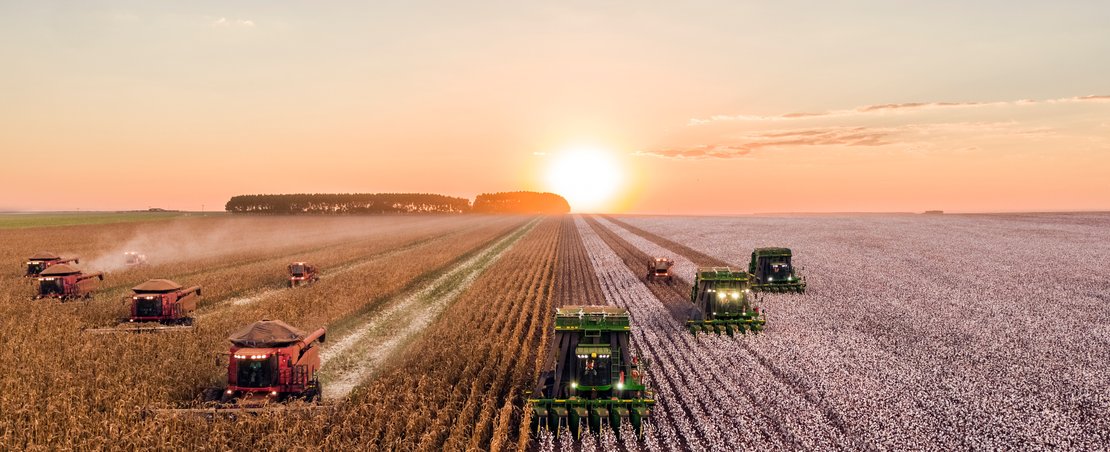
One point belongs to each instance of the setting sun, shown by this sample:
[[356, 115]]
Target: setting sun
[[587, 177]]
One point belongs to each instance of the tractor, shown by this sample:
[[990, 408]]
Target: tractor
[[132, 258], [66, 282], [302, 273], [271, 361], [723, 302], [659, 268], [41, 261], [773, 272], [597, 382], [163, 301]]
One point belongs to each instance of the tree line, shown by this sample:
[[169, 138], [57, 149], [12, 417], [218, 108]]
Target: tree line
[[382, 203]]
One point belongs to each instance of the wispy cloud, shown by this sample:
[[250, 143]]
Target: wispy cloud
[[223, 22], [825, 136], [893, 108], [918, 136]]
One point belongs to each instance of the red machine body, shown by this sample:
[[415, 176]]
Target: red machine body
[[271, 361], [65, 282], [301, 273], [163, 301], [660, 268], [40, 262]]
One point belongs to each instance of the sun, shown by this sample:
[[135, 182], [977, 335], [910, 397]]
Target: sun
[[588, 178]]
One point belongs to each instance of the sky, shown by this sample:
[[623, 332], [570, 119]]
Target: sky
[[699, 107]]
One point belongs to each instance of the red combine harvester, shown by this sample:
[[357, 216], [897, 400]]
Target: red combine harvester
[[66, 283], [41, 261], [270, 362], [132, 258], [660, 268], [302, 273], [164, 302]]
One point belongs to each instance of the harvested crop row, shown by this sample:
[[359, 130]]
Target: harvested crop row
[[105, 384], [959, 332], [709, 398]]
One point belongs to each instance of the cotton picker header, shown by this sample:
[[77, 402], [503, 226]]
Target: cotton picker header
[[723, 302], [596, 383]]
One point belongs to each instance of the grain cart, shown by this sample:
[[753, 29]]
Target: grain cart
[[659, 268], [597, 382], [132, 258], [41, 261], [723, 302], [302, 273], [66, 282], [271, 361], [772, 271]]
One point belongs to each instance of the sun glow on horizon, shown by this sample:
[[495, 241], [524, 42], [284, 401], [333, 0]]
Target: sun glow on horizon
[[589, 178]]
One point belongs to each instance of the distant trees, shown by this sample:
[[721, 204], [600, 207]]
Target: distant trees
[[347, 203], [520, 202], [379, 203]]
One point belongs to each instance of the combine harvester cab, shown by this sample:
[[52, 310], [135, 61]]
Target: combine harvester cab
[[723, 302], [132, 258], [271, 361], [659, 268], [65, 282], [773, 272], [597, 383], [38, 263], [164, 303], [302, 273]]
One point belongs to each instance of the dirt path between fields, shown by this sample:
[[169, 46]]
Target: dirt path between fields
[[361, 352]]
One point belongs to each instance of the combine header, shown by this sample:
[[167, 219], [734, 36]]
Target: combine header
[[596, 382], [723, 302], [65, 282], [660, 268], [41, 261], [158, 306], [773, 272], [302, 273]]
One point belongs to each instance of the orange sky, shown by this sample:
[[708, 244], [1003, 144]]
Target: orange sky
[[707, 107]]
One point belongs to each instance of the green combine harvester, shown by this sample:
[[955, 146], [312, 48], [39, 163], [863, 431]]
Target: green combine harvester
[[596, 382], [723, 302], [773, 272]]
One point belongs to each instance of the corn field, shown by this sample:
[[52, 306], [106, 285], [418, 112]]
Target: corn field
[[915, 333]]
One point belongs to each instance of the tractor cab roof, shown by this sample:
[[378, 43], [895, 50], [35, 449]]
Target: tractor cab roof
[[772, 251], [44, 256], [266, 333], [592, 318], [60, 270], [157, 286], [721, 274]]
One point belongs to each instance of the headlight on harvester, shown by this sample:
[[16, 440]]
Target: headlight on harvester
[[574, 385], [736, 295]]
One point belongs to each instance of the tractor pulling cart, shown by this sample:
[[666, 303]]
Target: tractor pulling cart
[[596, 383]]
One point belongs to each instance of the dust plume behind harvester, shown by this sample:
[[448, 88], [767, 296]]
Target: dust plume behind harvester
[[597, 382], [302, 273], [659, 269], [157, 306], [772, 271], [36, 264], [66, 282], [723, 302]]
